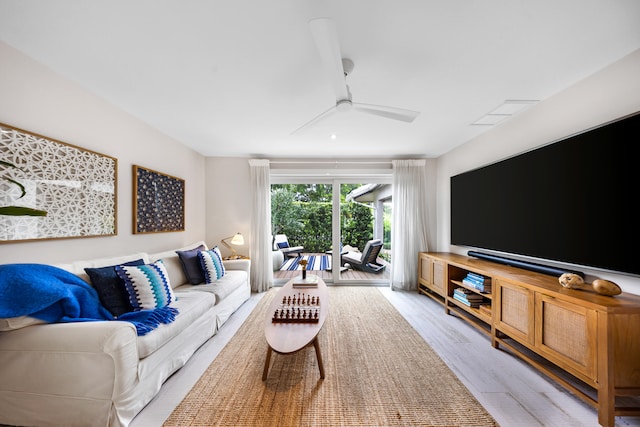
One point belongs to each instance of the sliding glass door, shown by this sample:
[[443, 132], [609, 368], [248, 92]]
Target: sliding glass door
[[340, 228], [364, 226], [301, 218]]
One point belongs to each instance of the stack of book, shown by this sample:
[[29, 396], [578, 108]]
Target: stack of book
[[311, 281], [479, 282], [467, 297]]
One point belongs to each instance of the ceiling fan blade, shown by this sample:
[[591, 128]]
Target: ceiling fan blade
[[325, 35], [388, 112], [315, 120]]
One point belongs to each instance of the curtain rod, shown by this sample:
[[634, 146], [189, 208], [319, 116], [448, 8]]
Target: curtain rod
[[333, 162]]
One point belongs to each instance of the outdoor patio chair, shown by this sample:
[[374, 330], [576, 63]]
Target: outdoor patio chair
[[367, 260], [344, 249], [281, 243]]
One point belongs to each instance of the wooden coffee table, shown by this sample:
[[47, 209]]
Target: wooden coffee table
[[286, 336]]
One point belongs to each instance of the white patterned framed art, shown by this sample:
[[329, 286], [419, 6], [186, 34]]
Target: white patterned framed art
[[77, 188]]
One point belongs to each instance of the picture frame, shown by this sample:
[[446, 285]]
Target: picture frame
[[158, 202], [50, 189]]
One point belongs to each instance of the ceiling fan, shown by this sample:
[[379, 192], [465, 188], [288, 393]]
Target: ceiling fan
[[337, 69]]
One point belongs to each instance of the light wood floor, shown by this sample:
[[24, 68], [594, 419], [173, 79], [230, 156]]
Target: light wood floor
[[513, 393]]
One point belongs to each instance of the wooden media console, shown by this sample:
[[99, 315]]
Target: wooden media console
[[588, 343]]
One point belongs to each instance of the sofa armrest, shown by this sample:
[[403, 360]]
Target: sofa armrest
[[87, 360], [238, 264]]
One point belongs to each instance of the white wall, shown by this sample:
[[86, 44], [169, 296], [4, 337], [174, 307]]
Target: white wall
[[607, 95], [228, 201], [36, 99]]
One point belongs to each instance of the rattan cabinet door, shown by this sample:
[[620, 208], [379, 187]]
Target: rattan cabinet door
[[439, 277], [425, 270], [566, 335], [515, 311], [432, 274]]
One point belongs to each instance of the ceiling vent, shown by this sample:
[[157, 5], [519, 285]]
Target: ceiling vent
[[504, 111]]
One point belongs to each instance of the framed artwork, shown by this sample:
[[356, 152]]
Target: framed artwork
[[54, 190], [158, 202]]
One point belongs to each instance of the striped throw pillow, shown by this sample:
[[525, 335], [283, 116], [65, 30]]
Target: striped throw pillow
[[147, 285], [212, 265]]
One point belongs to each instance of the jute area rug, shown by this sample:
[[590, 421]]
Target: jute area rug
[[378, 372]]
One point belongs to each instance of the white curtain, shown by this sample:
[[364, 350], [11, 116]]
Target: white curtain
[[410, 222], [260, 252]]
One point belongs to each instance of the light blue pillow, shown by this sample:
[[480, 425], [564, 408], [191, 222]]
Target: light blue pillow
[[147, 285], [212, 265]]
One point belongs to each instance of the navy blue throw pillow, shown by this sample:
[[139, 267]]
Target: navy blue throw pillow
[[111, 289], [191, 265]]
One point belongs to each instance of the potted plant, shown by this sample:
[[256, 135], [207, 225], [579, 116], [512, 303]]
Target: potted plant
[[18, 210]]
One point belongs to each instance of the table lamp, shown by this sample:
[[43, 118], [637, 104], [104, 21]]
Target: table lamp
[[237, 240]]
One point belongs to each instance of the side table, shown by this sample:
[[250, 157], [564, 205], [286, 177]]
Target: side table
[[232, 257]]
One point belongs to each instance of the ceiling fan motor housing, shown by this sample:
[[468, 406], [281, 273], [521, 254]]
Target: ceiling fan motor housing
[[343, 105]]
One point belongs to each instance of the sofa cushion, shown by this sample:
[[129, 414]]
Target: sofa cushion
[[20, 322], [77, 267], [173, 264], [191, 264], [148, 285], [111, 288], [191, 307], [212, 265], [174, 269], [221, 288]]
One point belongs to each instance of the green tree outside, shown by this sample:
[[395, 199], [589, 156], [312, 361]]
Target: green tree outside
[[303, 213]]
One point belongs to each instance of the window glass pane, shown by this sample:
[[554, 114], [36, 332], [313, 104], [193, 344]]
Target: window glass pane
[[301, 226], [301, 217]]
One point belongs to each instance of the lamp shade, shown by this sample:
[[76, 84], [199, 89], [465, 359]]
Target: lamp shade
[[238, 239], [235, 240]]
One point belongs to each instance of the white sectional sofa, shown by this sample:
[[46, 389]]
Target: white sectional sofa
[[101, 373]]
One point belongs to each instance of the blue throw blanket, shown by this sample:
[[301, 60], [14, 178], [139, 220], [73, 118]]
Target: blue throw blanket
[[55, 295]]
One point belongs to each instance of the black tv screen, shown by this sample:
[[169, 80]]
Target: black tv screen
[[572, 201]]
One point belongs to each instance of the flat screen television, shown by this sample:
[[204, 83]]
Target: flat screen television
[[571, 201]]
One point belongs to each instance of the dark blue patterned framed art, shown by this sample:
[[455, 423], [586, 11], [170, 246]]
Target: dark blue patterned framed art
[[158, 202]]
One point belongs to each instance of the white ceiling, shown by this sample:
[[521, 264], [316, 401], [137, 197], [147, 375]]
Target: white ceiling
[[236, 77]]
